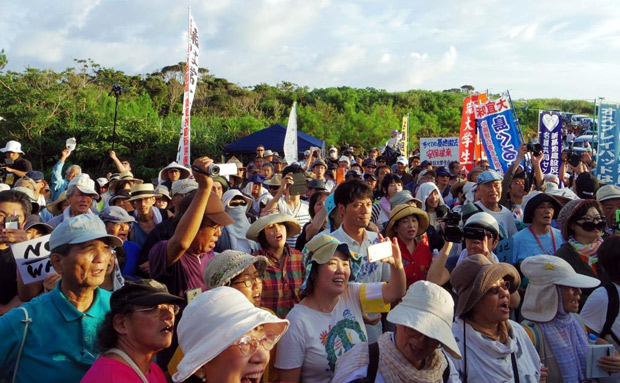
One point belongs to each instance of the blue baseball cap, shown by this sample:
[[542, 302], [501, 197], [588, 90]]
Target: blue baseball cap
[[35, 175], [488, 176], [115, 214], [442, 170], [79, 229]]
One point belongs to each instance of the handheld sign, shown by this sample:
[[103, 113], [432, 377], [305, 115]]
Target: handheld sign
[[33, 259]]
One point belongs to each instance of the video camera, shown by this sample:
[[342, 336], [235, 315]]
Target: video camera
[[7, 162], [452, 231]]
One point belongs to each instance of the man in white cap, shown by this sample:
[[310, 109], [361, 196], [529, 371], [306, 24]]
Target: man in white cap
[[59, 342], [80, 194], [489, 190], [14, 164], [609, 197]]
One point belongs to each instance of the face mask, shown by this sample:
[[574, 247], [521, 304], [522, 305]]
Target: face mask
[[333, 155]]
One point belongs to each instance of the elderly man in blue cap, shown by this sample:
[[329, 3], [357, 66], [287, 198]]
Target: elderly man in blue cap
[[53, 337]]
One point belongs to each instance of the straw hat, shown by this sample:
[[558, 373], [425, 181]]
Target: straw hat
[[54, 207], [428, 309], [292, 226], [402, 211], [163, 174], [540, 303], [140, 191]]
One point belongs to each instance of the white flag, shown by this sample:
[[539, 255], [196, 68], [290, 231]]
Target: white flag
[[191, 80], [290, 139]]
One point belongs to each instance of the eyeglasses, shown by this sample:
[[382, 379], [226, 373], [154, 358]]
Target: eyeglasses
[[249, 282], [160, 309], [494, 290], [598, 224], [249, 344]]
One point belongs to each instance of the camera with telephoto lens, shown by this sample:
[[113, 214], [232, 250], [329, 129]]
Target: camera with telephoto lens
[[534, 147], [574, 158], [452, 230]]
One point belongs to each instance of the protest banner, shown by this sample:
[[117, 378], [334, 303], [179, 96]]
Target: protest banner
[[498, 132], [191, 81], [608, 143], [467, 136], [290, 138], [404, 135], [33, 259], [440, 151], [550, 138]]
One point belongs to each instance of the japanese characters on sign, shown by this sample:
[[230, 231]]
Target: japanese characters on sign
[[440, 151], [550, 138], [498, 133], [467, 136], [608, 144], [191, 80]]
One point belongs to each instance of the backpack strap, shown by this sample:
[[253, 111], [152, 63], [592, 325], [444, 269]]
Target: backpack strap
[[373, 361], [613, 306], [534, 331]]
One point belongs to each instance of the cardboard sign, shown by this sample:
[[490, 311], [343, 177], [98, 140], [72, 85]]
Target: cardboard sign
[[33, 259]]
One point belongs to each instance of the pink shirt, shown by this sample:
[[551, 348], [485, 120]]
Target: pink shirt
[[107, 370]]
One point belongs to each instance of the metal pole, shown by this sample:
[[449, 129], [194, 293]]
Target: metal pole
[[117, 90]]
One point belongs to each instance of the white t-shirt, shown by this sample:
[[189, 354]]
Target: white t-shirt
[[369, 272], [301, 213], [315, 340], [594, 313], [505, 220]]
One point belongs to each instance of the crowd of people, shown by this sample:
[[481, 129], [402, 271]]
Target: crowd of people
[[269, 274]]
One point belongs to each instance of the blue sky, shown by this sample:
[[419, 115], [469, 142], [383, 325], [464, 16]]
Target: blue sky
[[549, 48]]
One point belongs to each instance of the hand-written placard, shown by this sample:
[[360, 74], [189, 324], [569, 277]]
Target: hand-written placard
[[33, 259]]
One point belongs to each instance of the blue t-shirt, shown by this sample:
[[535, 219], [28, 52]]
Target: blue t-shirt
[[525, 244], [60, 343]]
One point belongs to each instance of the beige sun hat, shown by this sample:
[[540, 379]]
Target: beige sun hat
[[292, 226], [540, 303], [225, 266], [123, 176], [213, 322], [163, 174], [54, 207], [428, 309], [405, 210], [142, 191]]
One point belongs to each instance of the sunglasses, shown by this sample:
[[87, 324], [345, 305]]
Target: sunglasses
[[592, 225], [237, 203]]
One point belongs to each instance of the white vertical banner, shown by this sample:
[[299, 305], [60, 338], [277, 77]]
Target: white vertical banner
[[191, 80], [290, 139]]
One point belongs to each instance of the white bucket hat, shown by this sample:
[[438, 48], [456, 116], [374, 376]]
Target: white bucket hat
[[213, 322], [84, 184], [428, 309], [12, 146], [540, 303]]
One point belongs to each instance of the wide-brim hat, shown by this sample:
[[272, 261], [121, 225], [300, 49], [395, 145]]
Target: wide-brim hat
[[235, 160], [428, 309], [163, 174], [405, 210], [123, 176], [140, 191], [225, 266], [545, 273], [213, 322], [12, 146], [292, 226], [275, 180], [473, 277], [533, 199], [54, 207]]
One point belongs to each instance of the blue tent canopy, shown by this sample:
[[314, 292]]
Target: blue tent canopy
[[273, 139]]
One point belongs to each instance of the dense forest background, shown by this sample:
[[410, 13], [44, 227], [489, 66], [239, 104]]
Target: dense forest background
[[42, 108]]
